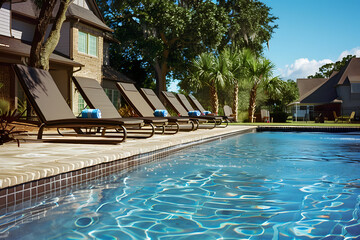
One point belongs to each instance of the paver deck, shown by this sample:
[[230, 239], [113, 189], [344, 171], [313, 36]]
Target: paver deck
[[36, 160]]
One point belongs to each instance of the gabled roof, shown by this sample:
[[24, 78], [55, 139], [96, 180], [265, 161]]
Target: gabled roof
[[111, 74], [323, 93], [16, 47], [305, 85], [323, 90], [27, 9], [86, 16], [352, 69], [92, 17]]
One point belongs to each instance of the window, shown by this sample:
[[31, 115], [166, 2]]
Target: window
[[87, 44], [114, 96], [81, 103], [355, 88]]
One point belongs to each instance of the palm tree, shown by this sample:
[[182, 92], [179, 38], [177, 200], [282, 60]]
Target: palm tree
[[259, 70], [237, 71], [210, 70]]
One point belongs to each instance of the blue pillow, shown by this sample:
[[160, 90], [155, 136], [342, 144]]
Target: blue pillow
[[160, 113], [206, 112], [195, 113], [91, 113]]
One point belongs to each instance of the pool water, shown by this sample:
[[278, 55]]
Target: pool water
[[253, 186]]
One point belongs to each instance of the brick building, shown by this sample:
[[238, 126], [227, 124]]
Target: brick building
[[80, 50]]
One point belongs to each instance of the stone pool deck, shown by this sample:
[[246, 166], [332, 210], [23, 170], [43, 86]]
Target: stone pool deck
[[37, 160]]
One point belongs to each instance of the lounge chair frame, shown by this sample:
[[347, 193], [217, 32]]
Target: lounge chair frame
[[53, 111], [96, 98], [218, 120], [140, 105]]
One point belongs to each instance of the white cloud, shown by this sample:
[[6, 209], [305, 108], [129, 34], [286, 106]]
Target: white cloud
[[302, 68], [354, 51]]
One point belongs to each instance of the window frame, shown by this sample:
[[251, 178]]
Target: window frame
[[88, 44]]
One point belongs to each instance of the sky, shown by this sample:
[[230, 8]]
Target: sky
[[310, 34]]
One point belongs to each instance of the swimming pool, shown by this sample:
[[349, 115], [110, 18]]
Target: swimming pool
[[253, 186]]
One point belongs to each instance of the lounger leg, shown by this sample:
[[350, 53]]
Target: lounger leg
[[124, 132], [153, 129], [195, 124], [162, 128], [121, 129], [227, 123], [58, 130], [41, 130], [177, 128]]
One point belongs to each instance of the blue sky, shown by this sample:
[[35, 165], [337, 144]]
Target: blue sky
[[311, 33]]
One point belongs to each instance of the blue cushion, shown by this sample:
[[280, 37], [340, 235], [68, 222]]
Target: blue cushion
[[160, 113], [91, 113], [206, 112], [195, 113]]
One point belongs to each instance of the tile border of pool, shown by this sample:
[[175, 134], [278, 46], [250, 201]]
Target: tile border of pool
[[27, 194]]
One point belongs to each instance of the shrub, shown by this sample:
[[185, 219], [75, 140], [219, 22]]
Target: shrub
[[280, 117]]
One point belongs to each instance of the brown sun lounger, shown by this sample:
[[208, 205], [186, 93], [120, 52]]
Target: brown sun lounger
[[180, 109], [154, 102], [96, 98], [185, 102], [142, 108], [229, 113], [53, 111], [198, 106]]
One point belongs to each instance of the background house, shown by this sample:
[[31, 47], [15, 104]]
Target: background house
[[340, 93], [80, 51]]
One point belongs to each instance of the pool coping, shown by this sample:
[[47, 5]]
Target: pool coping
[[26, 193]]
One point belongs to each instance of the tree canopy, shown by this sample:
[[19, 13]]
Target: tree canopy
[[165, 35]]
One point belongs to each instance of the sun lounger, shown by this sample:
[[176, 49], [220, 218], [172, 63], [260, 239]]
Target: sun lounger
[[155, 103], [217, 119], [53, 111], [229, 113], [198, 105], [181, 111], [142, 108], [344, 118], [95, 96]]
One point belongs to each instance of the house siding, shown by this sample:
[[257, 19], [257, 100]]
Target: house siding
[[64, 42], [22, 30], [5, 18], [351, 101]]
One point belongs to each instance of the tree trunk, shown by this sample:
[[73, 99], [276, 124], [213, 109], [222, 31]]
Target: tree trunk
[[252, 103], [214, 98], [40, 31], [160, 73], [236, 101], [54, 37]]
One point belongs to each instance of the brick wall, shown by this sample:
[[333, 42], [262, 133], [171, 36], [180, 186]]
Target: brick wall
[[93, 64]]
